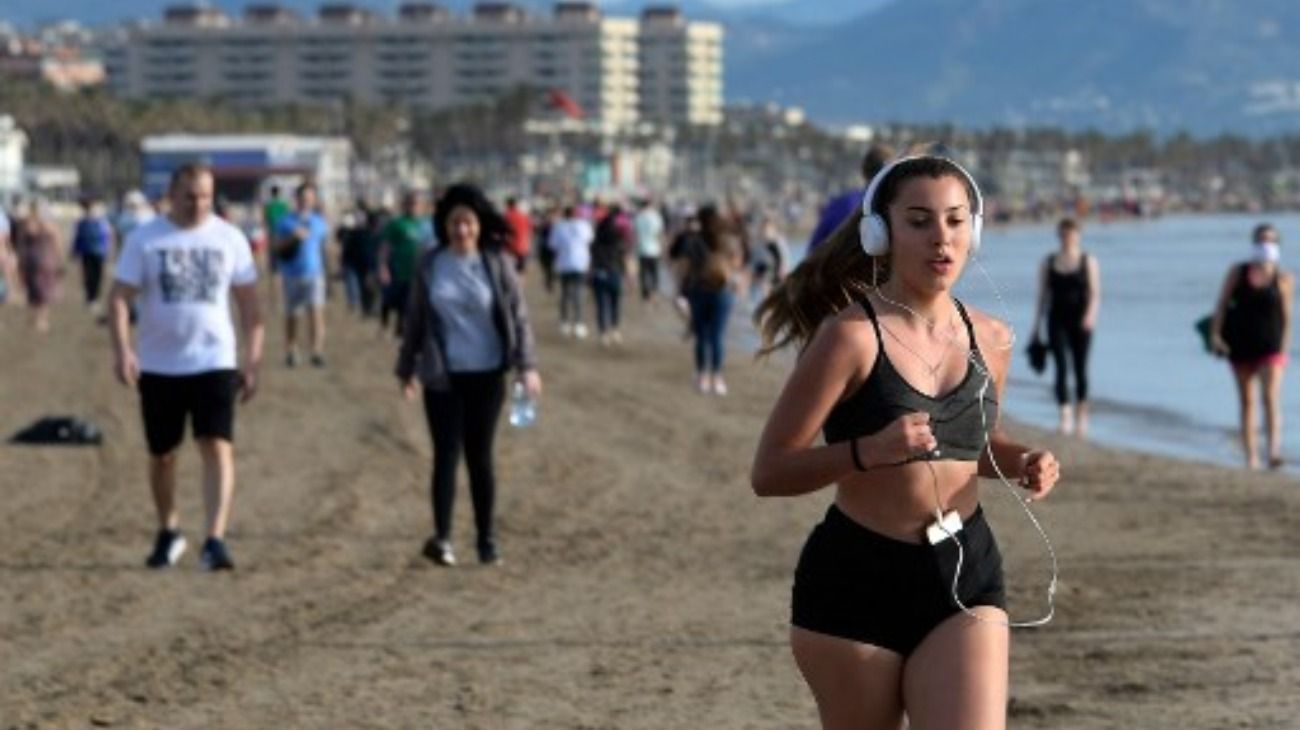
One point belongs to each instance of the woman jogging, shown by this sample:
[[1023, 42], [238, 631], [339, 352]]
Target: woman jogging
[[898, 605]]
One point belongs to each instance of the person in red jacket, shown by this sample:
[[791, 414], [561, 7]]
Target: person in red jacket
[[520, 242]]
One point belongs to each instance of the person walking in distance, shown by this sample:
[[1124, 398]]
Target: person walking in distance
[[648, 226], [182, 268], [466, 325], [898, 611], [609, 252], [571, 240], [92, 242], [520, 242], [39, 250], [545, 254], [1252, 326], [399, 248], [843, 206], [300, 240], [8, 266], [771, 259], [356, 258], [1069, 293], [273, 210], [712, 261]]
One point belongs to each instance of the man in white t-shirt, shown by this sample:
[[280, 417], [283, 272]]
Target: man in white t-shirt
[[181, 269], [571, 239]]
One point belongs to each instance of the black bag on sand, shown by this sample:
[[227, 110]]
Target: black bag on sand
[[59, 431], [1037, 352]]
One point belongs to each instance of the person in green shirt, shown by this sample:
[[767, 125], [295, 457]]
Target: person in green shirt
[[273, 210], [399, 248]]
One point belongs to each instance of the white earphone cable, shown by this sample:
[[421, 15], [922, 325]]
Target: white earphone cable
[[987, 448]]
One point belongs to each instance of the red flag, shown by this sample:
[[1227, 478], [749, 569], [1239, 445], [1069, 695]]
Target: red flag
[[565, 103]]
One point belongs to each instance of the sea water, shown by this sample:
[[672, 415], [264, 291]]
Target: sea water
[[1152, 386]]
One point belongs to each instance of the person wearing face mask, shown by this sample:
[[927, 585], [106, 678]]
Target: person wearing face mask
[[1252, 327], [903, 382], [1069, 294]]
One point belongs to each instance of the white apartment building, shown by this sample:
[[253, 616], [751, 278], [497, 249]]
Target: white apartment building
[[681, 68], [427, 57]]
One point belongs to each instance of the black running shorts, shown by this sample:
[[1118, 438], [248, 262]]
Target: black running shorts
[[207, 398], [857, 584]]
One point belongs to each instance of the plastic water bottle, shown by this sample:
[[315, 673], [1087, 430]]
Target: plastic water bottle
[[523, 409]]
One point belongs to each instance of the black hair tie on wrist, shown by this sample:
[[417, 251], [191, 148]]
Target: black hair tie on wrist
[[857, 458]]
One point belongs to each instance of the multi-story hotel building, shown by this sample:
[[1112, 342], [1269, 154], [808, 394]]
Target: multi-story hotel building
[[658, 68], [681, 68]]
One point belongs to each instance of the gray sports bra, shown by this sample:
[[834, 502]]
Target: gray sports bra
[[885, 395]]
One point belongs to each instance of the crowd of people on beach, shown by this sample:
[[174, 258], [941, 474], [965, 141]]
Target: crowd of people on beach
[[894, 396], [176, 261]]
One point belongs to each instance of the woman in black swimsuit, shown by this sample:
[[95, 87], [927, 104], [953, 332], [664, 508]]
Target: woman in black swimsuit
[[904, 382], [1069, 293], [1252, 326]]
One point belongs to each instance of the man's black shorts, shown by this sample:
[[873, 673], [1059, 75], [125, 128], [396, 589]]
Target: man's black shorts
[[208, 398]]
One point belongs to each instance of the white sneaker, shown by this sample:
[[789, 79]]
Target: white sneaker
[[566, 330], [580, 331], [719, 386]]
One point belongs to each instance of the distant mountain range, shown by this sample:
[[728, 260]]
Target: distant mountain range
[[1206, 66]]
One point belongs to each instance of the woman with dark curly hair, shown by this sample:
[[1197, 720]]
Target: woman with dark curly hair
[[466, 325]]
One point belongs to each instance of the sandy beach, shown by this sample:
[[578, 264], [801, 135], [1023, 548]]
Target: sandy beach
[[644, 586]]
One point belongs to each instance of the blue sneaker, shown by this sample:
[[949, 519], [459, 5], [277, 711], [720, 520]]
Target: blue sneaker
[[214, 555], [168, 547]]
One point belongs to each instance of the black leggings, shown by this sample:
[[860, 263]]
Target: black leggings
[[92, 273], [571, 297], [1068, 334], [648, 273], [394, 301], [465, 416]]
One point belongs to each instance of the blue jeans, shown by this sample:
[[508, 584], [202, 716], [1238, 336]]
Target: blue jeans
[[360, 293], [607, 289], [710, 312]]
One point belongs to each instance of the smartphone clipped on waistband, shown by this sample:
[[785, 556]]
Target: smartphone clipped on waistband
[[950, 527]]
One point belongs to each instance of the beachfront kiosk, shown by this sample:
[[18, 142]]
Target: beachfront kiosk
[[246, 165]]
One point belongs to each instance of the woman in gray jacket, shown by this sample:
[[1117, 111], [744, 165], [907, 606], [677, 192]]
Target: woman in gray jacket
[[466, 326]]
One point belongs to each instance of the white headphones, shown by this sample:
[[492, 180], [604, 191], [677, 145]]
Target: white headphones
[[873, 230]]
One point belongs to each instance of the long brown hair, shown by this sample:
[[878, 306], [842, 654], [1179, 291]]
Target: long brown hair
[[838, 272]]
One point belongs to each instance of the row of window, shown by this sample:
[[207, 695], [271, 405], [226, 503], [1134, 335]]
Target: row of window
[[675, 66], [543, 42]]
